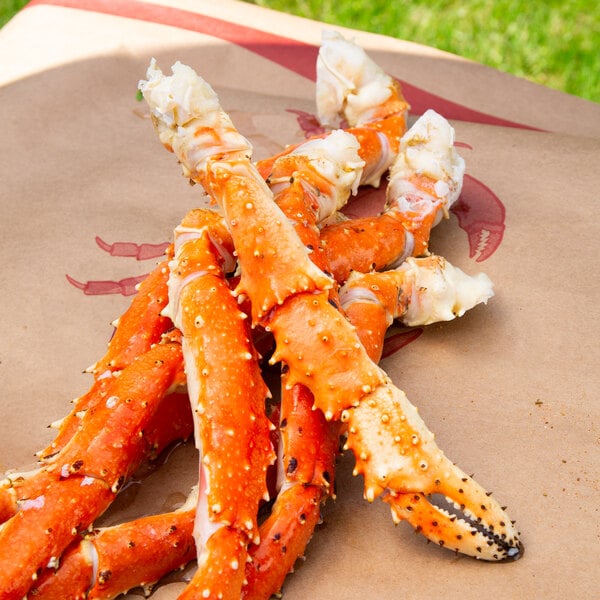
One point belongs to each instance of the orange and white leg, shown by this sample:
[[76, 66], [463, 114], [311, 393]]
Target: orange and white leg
[[309, 446], [110, 561], [140, 326], [419, 292], [309, 182], [172, 422], [213, 153], [228, 397]]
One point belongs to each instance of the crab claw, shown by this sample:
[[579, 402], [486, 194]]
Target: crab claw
[[399, 459], [482, 531]]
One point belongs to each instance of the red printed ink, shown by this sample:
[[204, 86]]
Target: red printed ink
[[481, 215], [396, 341], [125, 287], [307, 122], [133, 250]]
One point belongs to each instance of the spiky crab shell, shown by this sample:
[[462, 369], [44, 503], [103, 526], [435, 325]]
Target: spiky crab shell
[[225, 385], [307, 322]]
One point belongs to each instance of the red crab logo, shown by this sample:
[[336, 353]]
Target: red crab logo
[[126, 286], [481, 215]]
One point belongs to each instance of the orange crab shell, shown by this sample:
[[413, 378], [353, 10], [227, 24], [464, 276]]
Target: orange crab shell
[[306, 320]]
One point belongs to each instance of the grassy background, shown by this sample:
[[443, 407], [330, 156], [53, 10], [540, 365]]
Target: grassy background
[[8, 8], [552, 42]]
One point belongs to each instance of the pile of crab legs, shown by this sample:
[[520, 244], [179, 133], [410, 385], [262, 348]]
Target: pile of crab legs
[[274, 260]]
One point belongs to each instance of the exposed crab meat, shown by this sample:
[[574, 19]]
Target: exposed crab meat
[[350, 85], [333, 170], [425, 180], [428, 169], [351, 89], [419, 292]]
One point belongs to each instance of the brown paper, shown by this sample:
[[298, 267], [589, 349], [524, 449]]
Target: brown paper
[[510, 389]]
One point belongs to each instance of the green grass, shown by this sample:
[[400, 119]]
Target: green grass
[[8, 8], [552, 42]]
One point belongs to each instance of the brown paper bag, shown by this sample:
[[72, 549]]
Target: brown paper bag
[[510, 389]]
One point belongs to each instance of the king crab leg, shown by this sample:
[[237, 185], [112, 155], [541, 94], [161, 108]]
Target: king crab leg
[[110, 561], [310, 445], [137, 330], [88, 472], [394, 450], [140, 326], [312, 181], [172, 422], [308, 187], [228, 396], [419, 292], [351, 89]]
